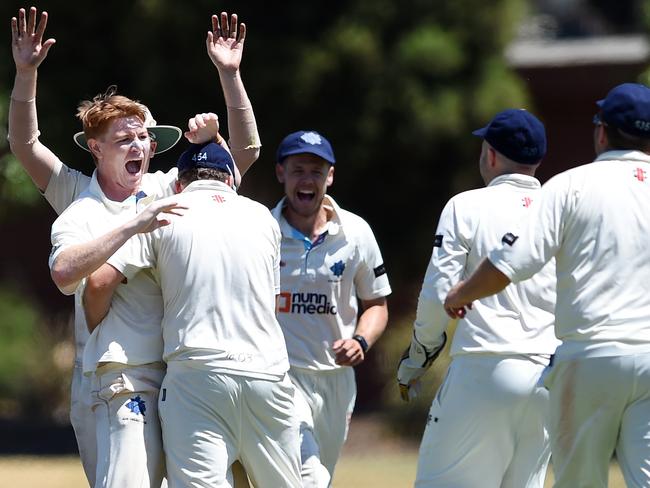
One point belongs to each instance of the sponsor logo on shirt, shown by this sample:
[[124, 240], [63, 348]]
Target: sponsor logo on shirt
[[380, 270], [437, 240], [527, 201], [305, 302]]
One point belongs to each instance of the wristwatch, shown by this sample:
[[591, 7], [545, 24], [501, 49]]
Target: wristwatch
[[362, 342]]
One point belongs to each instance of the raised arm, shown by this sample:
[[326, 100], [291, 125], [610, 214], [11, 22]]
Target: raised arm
[[225, 45], [29, 51]]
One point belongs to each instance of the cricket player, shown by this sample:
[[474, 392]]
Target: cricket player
[[487, 425], [226, 395], [62, 185], [330, 261], [594, 220]]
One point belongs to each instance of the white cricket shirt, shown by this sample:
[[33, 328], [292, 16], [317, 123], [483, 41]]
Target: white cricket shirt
[[321, 282], [137, 306], [595, 221], [218, 266], [519, 320], [64, 187]]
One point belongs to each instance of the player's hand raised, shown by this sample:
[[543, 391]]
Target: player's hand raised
[[27, 44], [202, 128], [225, 46]]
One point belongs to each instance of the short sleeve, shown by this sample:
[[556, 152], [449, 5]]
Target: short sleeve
[[525, 251], [65, 185], [371, 280]]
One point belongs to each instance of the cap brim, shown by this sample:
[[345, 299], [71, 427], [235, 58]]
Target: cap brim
[[165, 135], [315, 152], [600, 103], [481, 132]]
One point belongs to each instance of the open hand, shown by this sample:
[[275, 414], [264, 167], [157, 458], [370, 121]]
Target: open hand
[[224, 48], [27, 44]]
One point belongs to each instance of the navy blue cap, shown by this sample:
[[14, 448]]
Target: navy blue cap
[[627, 107], [207, 155], [305, 141], [517, 134]]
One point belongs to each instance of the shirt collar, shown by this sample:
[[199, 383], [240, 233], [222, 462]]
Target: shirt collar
[[516, 179], [333, 227], [626, 155], [113, 206], [198, 185]]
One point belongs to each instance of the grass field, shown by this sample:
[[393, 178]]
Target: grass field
[[382, 469], [372, 457]]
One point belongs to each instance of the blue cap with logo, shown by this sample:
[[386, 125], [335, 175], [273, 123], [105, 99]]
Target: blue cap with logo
[[627, 107], [305, 141], [517, 134], [207, 155]]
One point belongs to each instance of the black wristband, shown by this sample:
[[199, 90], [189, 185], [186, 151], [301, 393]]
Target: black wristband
[[362, 342]]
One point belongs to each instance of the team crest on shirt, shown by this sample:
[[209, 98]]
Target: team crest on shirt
[[338, 268], [137, 406]]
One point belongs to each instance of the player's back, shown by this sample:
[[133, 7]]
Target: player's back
[[520, 318], [219, 272], [604, 261]]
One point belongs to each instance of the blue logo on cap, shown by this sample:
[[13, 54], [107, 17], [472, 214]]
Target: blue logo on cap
[[305, 142], [311, 138]]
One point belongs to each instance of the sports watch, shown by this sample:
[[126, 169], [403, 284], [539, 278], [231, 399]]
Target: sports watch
[[362, 342]]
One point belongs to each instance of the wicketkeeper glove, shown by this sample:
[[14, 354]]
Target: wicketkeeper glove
[[415, 361]]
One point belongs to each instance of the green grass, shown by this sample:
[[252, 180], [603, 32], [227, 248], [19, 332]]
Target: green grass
[[376, 468]]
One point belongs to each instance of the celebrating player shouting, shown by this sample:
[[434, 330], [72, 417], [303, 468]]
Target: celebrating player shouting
[[61, 185], [329, 258]]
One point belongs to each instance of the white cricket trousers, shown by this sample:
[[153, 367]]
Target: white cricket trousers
[[211, 419], [599, 406], [129, 441], [83, 421], [487, 426], [324, 404]]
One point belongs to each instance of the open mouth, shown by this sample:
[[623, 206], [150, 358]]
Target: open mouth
[[133, 167], [305, 196]]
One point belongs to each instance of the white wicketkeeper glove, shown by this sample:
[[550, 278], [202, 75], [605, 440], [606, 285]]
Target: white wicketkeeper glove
[[415, 361]]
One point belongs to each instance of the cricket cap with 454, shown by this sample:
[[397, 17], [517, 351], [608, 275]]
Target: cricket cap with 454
[[517, 134], [305, 141], [207, 155], [627, 107]]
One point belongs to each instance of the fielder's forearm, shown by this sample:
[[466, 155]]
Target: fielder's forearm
[[486, 280], [244, 139], [98, 294], [78, 261], [23, 132], [373, 320]]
